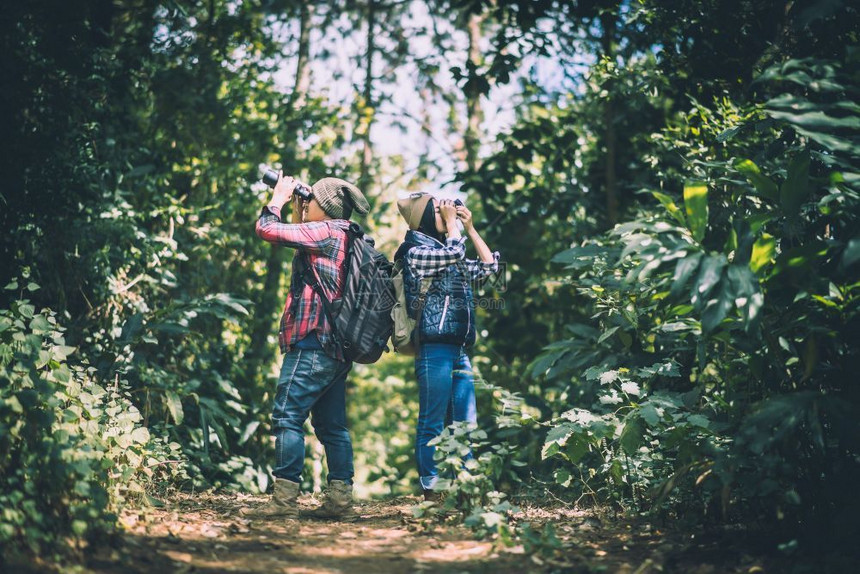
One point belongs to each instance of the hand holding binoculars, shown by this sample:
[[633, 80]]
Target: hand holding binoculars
[[271, 177]]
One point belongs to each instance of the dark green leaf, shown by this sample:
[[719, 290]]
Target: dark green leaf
[[851, 255], [717, 308], [710, 272], [633, 435], [728, 134], [131, 328], [796, 186], [684, 269]]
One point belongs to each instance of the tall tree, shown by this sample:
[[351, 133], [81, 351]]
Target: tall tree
[[367, 108], [267, 307], [608, 18], [472, 139]]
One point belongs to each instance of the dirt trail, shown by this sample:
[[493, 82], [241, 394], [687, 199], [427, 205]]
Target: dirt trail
[[208, 535], [205, 534]]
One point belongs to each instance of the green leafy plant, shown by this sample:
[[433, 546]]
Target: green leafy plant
[[73, 451], [478, 469], [742, 301]]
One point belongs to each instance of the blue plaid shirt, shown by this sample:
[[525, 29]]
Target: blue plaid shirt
[[430, 261]]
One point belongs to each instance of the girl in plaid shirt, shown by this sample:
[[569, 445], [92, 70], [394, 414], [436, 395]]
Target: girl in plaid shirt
[[434, 251]]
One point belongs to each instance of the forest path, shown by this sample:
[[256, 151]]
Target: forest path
[[204, 533], [207, 534]]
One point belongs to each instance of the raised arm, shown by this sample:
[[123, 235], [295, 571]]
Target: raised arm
[[488, 261], [313, 236], [427, 261], [309, 236]]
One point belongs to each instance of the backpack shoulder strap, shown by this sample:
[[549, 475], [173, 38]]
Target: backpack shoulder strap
[[310, 278], [400, 266]]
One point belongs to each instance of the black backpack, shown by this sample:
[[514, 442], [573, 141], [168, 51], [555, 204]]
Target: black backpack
[[361, 318]]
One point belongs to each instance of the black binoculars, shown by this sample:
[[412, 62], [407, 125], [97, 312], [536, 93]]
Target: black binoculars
[[271, 177]]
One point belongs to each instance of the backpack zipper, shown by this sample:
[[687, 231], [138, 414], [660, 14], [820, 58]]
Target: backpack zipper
[[444, 313], [468, 318]]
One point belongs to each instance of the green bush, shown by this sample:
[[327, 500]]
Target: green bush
[[479, 469], [72, 450], [740, 291]]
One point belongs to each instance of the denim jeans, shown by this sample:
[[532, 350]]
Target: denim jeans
[[446, 394], [312, 383]]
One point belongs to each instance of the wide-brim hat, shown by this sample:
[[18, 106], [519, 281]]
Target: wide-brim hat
[[412, 208]]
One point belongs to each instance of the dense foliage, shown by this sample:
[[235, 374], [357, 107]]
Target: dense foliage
[[70, 446], [675, 199]]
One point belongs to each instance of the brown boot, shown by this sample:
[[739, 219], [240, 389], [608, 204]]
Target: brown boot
[[336, 504], [284, 503], [432, 496]]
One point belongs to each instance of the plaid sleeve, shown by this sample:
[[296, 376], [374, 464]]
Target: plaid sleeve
[[478, 269], [312, 237], [427, 261]]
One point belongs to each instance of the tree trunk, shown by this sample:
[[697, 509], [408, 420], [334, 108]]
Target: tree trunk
[[303, 70], [475, 115], [367, 111], [474, 112], [607, 21], [268, 303]]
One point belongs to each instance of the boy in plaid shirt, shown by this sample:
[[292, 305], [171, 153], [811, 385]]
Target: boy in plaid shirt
[[313, 373]]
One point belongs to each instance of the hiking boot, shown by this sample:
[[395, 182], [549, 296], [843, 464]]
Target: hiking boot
[[336, 504], [432, 496], [284, 503]]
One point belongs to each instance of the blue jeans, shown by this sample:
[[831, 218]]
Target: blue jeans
[[312, 383], [446, 394]]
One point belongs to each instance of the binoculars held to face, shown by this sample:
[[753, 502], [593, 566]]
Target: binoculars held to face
[[457, 203], [271, 177]]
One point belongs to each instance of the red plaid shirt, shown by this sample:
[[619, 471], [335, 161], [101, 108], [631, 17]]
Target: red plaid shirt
[[323, 245]]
